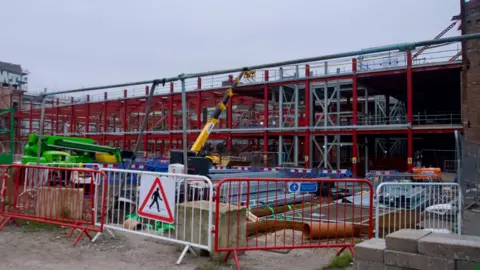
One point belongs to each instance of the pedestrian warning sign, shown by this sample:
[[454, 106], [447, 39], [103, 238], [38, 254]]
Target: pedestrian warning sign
[[157, 198]]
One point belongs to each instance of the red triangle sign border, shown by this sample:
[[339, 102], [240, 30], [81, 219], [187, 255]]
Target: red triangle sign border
[[168, 219]]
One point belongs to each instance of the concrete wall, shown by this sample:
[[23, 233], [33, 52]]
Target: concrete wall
[[419, 249]]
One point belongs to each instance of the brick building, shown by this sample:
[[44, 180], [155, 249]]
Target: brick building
[[471, 73], [12, 85]]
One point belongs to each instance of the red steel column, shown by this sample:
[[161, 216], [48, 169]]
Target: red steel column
[[87, 122], [105, 122], [51, 120], [58, 115], [230, 117], [265, 116], [199, 103], [354, 115], [72, 116], [308, 111], [409, 111], [170, 117], [145, 135], [31, 118], [125, 112]]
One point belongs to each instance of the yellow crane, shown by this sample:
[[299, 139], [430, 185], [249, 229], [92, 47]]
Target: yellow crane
[[197, 164]]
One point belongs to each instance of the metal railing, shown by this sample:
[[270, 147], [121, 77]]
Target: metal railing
[[431, 206], [417, 119]]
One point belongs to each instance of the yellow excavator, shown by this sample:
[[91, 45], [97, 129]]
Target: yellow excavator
[[198, 164]]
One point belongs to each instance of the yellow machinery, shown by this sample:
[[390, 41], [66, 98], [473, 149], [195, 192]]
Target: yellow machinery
[[200, 165], [217, 159]]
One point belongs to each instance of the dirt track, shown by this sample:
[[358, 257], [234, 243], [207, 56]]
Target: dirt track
[[49, 249]]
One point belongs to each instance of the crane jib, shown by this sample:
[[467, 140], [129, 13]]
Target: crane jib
[[221, 106]]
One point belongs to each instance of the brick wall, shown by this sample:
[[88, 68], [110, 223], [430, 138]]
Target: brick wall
[[471, 76]]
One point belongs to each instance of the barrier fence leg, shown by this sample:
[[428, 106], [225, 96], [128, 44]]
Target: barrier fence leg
[[184, 252], [97, 235], [82, 231], [235, 256], [5, 221], [227, 255], [343, 249], [340, 251]]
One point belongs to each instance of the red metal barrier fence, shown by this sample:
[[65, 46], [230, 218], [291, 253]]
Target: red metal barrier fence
[[58, 196], [273, 214]]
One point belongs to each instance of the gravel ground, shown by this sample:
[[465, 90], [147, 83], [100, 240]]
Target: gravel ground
[[47, 248]]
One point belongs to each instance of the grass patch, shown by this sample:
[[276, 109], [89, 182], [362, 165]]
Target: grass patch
[[340, 262], [208, 266], [31, 226]]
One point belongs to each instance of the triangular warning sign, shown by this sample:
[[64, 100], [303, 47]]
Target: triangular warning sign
[[154, 204]]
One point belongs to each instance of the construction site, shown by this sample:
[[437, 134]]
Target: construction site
[[319, 152], [366, 113]]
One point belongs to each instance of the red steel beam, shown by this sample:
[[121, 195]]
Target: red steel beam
[[354, 116], [105, 119], [87, 121], [124, 118], [170, 116], [265, 112], [308, 111], [409, 111]]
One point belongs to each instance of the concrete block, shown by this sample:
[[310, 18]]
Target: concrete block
[[416, 261], [199, 231], [465, 265], [371, 250], [451, 246], [405, 240], [366, 265]]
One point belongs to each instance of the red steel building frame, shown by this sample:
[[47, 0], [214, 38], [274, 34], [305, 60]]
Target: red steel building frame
[[115, 121]]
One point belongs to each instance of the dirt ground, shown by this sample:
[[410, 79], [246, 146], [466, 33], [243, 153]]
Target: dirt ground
[[47, 248]]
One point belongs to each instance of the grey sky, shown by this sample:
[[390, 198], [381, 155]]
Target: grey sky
[[71, 44]]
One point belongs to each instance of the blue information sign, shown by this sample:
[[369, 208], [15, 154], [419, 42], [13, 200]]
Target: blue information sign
[[302, 187]]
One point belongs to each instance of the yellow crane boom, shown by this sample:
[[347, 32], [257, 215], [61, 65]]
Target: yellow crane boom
[[221, 106]]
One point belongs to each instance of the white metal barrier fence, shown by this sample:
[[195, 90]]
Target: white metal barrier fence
[[394, 177], [172, 207], [431, 206]]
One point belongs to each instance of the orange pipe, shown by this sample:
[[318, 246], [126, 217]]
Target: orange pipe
[[318, 230]]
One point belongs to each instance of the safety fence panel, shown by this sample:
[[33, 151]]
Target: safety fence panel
[[275, 213], [172, 207], [58, 196], [431, 206], [392, 177]]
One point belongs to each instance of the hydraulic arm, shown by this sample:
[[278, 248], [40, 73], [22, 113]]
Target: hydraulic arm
[[197, 166], [221, 106], [85, 150]]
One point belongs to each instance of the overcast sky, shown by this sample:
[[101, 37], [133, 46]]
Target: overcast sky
[[72, 44]]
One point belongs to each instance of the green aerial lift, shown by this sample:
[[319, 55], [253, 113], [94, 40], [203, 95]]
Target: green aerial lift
[[79, 150]]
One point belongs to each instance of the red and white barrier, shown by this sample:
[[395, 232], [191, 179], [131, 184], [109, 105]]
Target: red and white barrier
[[242, 168], [52, 195]]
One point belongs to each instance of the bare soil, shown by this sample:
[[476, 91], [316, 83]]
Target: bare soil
[[48, 248]]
